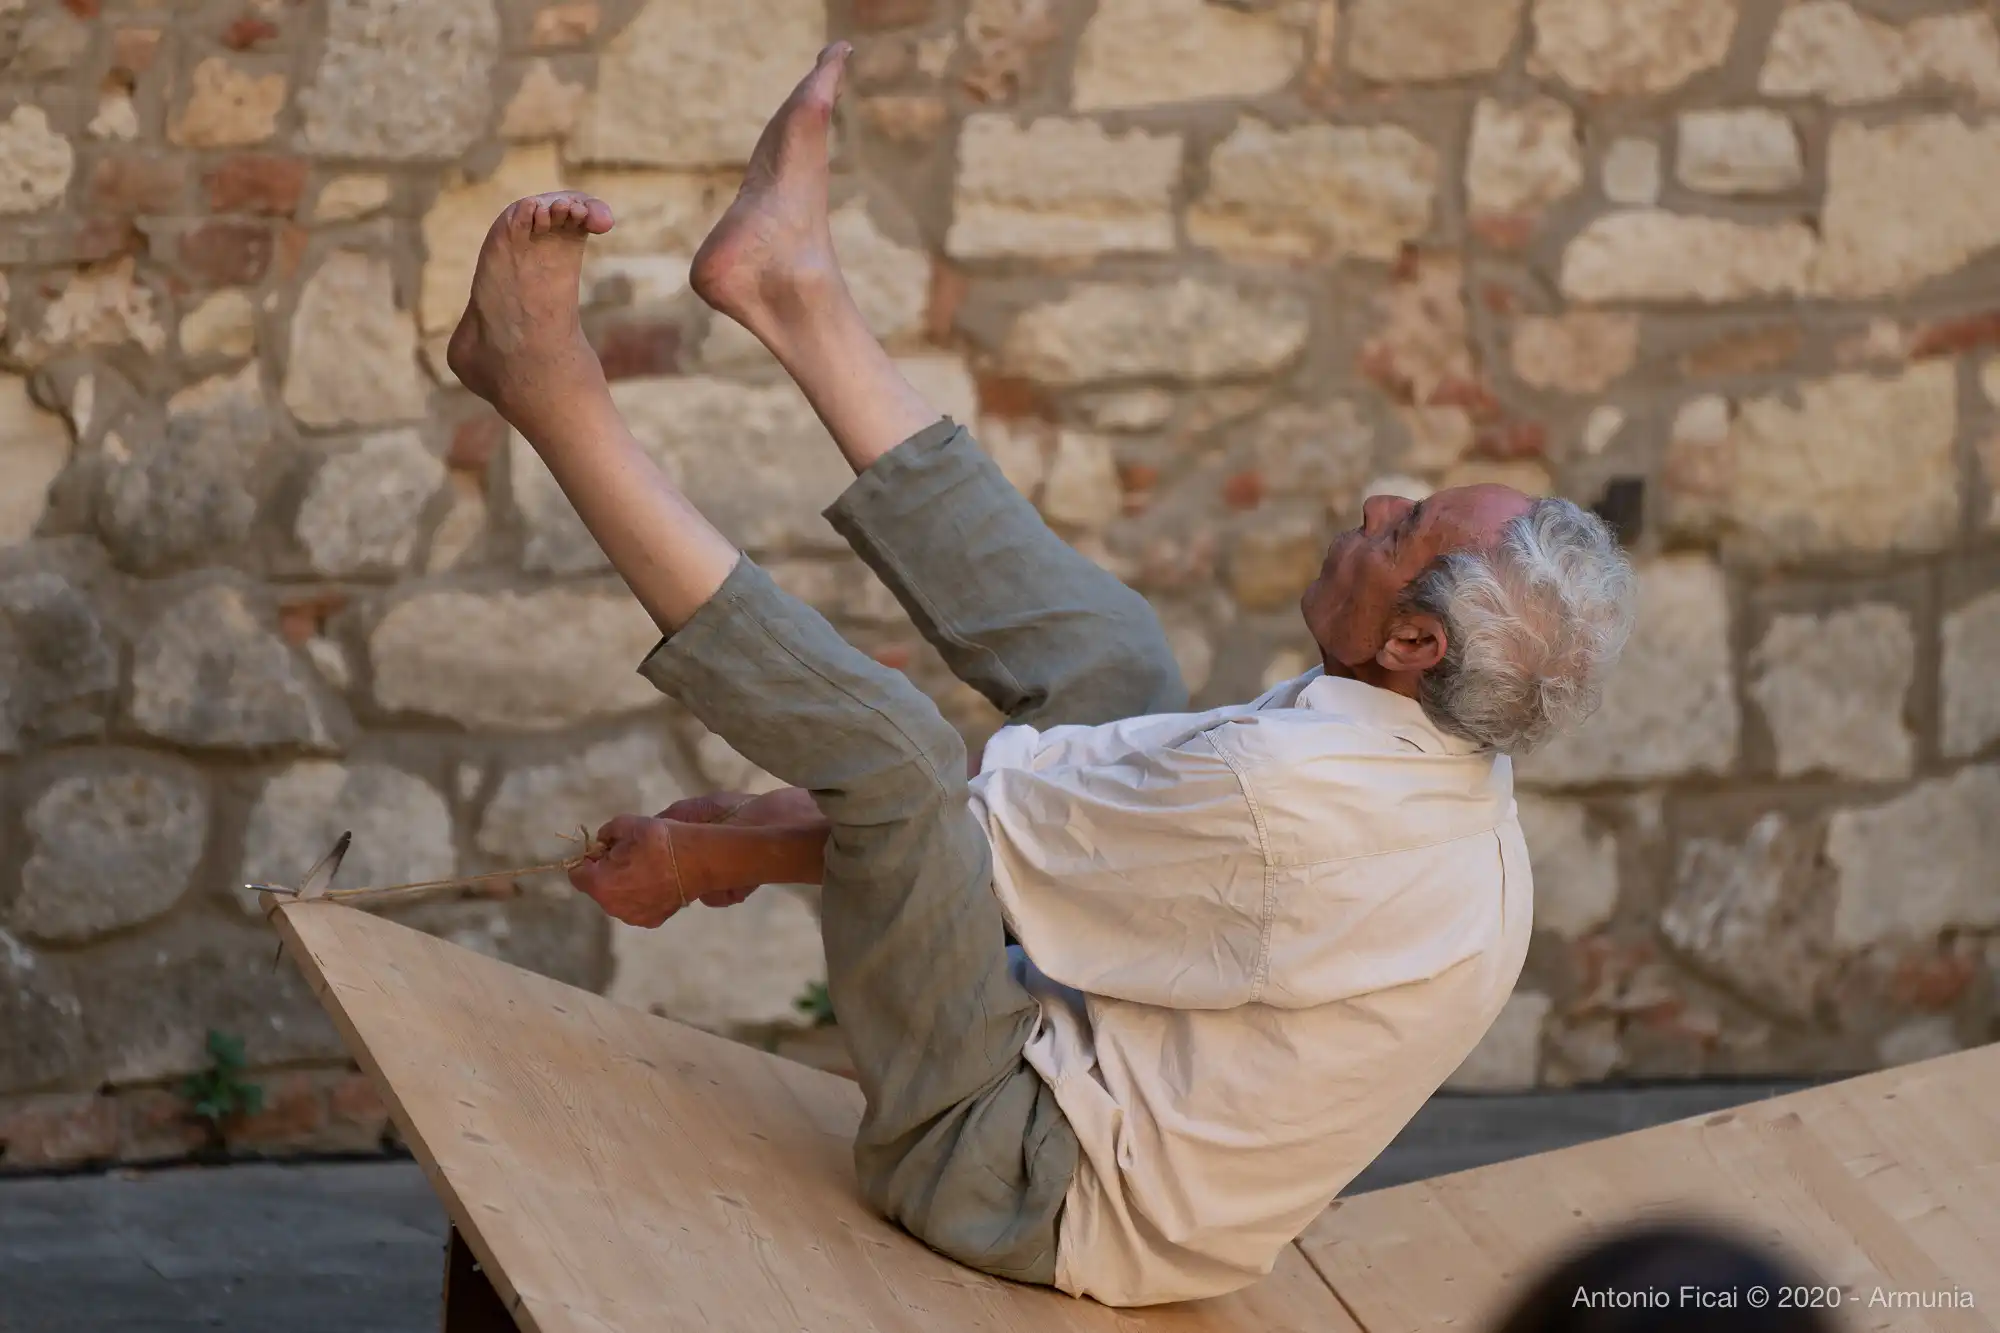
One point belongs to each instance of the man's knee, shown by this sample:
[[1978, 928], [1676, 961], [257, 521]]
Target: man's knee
[[985, 1228], [912, 771]]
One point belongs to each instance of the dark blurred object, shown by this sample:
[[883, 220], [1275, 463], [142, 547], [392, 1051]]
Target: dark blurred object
[[1623, 507], [1664, 1278]]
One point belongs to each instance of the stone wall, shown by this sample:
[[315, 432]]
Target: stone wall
[[1203, 271]]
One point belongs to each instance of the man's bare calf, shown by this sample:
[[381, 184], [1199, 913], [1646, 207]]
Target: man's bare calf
[[769, 264]]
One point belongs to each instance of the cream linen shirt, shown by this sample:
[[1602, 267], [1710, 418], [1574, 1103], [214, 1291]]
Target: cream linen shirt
[[1261, 937]]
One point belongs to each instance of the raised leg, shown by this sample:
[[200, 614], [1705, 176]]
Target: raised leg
[[962, 1143], [1047, 636]]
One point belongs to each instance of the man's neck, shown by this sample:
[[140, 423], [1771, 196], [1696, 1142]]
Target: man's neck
[[1374, 673]]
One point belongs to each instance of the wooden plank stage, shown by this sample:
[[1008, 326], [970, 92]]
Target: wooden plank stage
[[607, 1170], [610, 1170], [1887, 1182]]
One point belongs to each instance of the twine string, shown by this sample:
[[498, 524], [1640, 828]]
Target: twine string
[[592, 849]]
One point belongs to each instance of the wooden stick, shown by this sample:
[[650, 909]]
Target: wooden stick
[[591, 848]]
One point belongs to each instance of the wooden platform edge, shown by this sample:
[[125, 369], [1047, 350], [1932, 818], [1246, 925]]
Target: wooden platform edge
[[1432, 1195], [465, 1245]]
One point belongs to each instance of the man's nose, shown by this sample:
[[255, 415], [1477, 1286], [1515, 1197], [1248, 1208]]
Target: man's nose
[[1381, 512]]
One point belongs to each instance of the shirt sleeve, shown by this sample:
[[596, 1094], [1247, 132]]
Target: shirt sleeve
[[1141, 877]]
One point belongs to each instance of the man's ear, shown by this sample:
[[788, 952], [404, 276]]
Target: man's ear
[[1415, 644]]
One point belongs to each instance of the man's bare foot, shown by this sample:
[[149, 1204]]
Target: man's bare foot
[[520, 345], [772, 252]]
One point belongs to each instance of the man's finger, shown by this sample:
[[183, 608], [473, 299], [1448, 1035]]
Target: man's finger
[[625, 828], [696, 810]]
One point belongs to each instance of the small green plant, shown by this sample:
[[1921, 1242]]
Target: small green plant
[[816, 1004], [220, 1091]]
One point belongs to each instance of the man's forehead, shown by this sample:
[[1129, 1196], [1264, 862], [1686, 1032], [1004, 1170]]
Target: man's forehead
[[1476, 512]]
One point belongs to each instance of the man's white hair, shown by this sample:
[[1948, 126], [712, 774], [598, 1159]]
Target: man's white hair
[[1532, 627]]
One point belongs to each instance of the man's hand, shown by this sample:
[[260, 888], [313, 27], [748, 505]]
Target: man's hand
[[651, 868], [636, 877], [715, 850]]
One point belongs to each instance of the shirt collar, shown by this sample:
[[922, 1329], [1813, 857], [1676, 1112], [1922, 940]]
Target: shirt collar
[[1372, 706]]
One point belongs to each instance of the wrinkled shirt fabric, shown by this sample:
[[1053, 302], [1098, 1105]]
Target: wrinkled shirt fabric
[[1260, 937]]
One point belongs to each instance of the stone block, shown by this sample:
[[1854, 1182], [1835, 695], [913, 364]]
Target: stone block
[[1670, 706], [100, 306], [1805, 473], [1920, 864], [1316, 192], [1581, 352], [1420, 355], [889, 281], [149, 1001], [1194, 329], [191, 490], [57, 659], [1575, 868], [223, 325], [57, 1130], [353, 351], [1081, 489], [1316, 452], [34, 450], [227, 106], [1059, 187], [1630, 47], [1151, 52], [1648, 255], [361, 511], [262, 183], [554, 932], [1750, 151], [214, 633], [1834, 688], [732, 970], [1828, 49], [347, 198], [1416, 41], [570, 24], [1906, 202], [292, 1117], [662, 217], [765, 492], [544, 105], [1970, 673], [401, 824], [156, 1125], [128, 183], [536, 805], [47, 43], [400, 81], [1271, 563], [110, 846], [1523, 157], [1919, 1039], [691, 85], [40, 1019], [1751, 914], [226, 252], [1631, 172], [514, 661]]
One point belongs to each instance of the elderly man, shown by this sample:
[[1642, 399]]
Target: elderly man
[[1132, 1002]]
